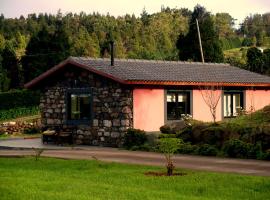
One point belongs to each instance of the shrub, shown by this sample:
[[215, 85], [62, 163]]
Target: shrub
[[264, 155], [134, 137], [166, 136], [238, 149], [187, 148], [186, 134], [213, 135], [207, 150], [144, 147]]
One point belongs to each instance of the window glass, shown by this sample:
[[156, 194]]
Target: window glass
[[79, 106], [232, 103], [177, 104]]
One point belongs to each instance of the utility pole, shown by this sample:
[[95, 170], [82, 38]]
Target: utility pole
[[200, 42]]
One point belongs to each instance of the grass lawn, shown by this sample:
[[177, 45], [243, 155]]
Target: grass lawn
[[26, 136], [48, 178]]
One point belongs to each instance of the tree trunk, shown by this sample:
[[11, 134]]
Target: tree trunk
[[170, 168]]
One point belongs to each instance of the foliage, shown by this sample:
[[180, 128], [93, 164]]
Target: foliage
[[207, 150], [188, 45], [255, 60], [48, 48], [18, 98], [188, 148], [13, 113], [236, 148], [231, 43], [134, 137], [25, 179], [169, 146]]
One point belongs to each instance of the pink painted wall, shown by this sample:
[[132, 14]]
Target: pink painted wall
[[257, 99], [200, 109], [148, 109]]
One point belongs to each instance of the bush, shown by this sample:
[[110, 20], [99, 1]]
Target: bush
[[207, 150], [186, 134], [144, 147], [187, 148], [166, 136], [134, 137], [18, 98], [213, 135], [238, 149]]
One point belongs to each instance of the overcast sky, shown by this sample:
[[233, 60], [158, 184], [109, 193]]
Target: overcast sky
[[237, 8]]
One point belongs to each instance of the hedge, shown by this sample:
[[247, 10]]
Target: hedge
[[19, 98]]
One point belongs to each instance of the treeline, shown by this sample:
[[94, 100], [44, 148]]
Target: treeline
[[31, 45]]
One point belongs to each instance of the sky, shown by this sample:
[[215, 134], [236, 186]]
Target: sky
[[238, 9]]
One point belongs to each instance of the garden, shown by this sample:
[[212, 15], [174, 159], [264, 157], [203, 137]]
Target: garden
[[247, 136]]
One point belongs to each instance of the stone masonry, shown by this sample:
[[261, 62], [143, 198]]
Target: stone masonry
[[112, 107]]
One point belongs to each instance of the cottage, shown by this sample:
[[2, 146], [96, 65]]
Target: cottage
[[101, 99]]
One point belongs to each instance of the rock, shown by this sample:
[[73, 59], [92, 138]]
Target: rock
[[115, 134], [125, 122], [50, 110], [107, 123], [116, 122], [95, 122], [79, 132], [106, 134], [126, 110], [100, 133], [50, 121]]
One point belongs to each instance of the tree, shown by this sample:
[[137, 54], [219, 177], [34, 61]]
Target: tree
[[10, 65], [168, 146], [44, 50], [224, 23], [211, 96], [188, 45], [266, 61], [85, 45], [255, 60]]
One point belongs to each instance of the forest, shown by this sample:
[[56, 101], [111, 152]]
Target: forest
[[33, 44]]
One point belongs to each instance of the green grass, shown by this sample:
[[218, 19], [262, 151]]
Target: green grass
[[48, 178], [27, 136], [14, 113]]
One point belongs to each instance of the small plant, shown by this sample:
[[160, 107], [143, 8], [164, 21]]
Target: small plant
[[168, 146], [38, 152]]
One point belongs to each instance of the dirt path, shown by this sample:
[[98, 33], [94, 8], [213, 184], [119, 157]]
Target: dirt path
[[250, 167]]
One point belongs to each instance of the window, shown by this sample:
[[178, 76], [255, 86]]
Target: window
[[79, 102], [178, 102], [232, 103]]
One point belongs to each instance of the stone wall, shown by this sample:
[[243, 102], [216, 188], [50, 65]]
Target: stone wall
[[112, 107]]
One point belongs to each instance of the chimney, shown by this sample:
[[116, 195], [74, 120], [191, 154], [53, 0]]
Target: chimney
[[112, 52]]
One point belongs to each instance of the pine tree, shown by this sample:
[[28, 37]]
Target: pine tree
[[188, 45]]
